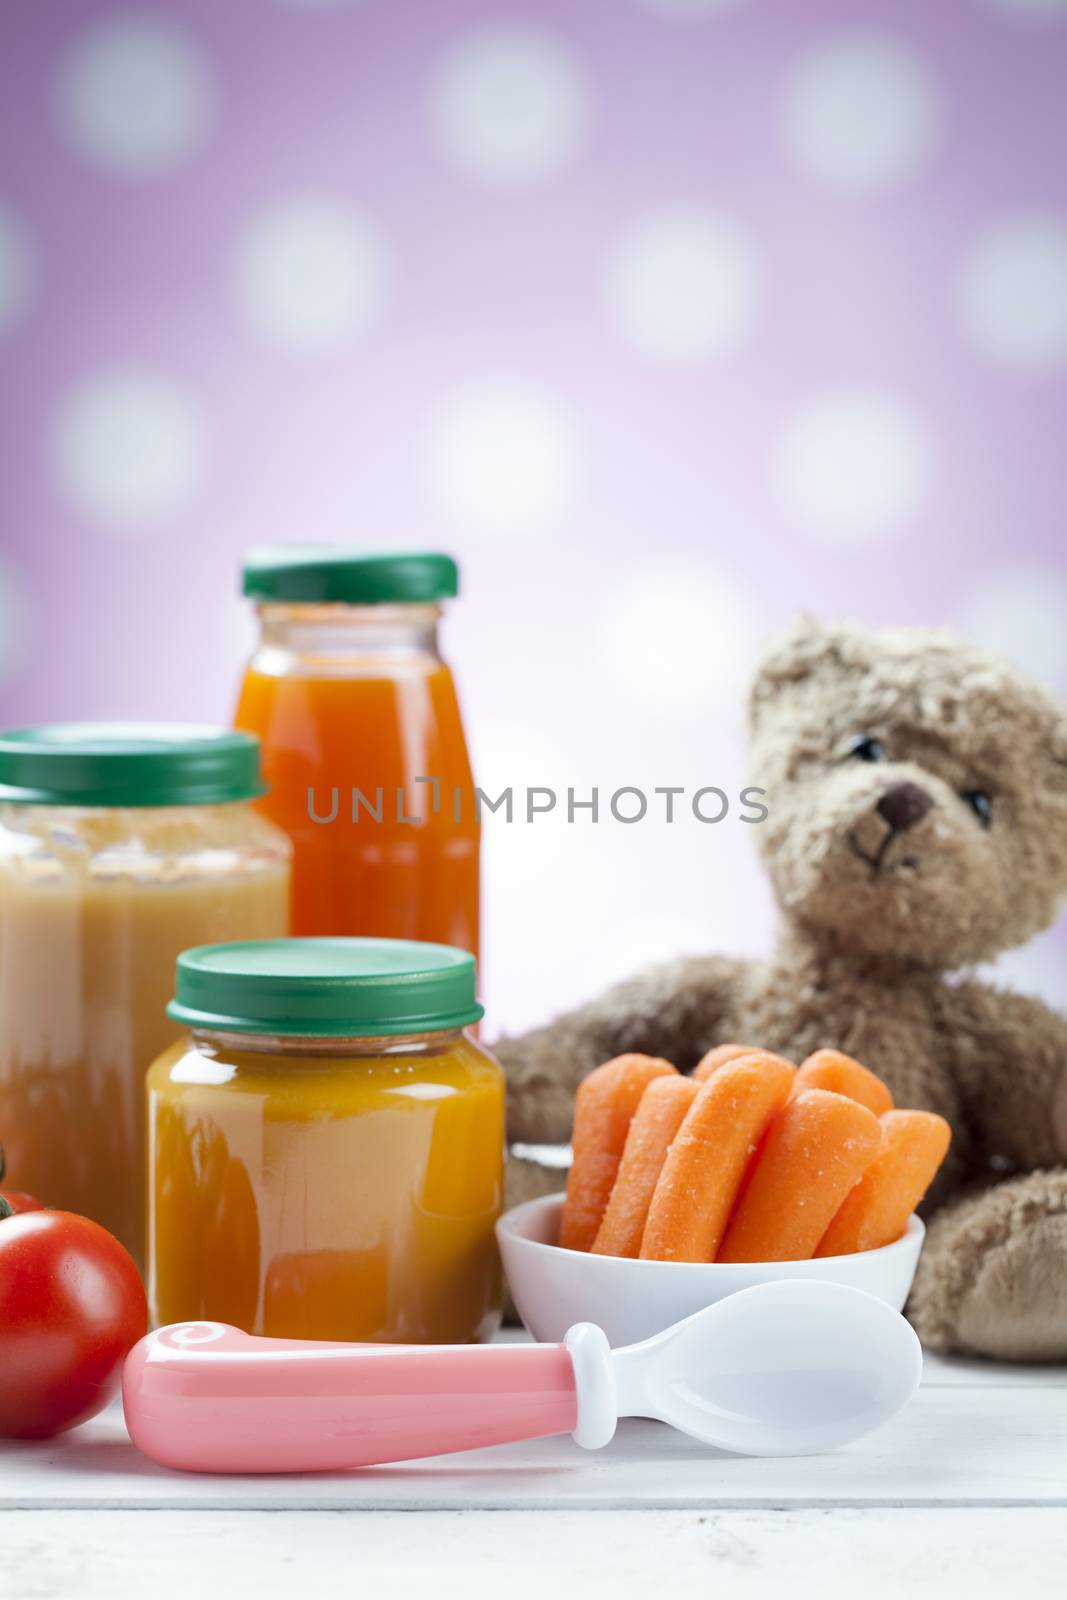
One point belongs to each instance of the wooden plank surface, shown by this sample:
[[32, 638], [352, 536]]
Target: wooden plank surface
[[610, 1555], [964, 1493]]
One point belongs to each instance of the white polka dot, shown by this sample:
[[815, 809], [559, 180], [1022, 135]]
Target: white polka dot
[[129, 449], [14, 620], [1039, 968], [136, 96], [234, 628], [852, 467], [502, 456], [533, 867], [687, 8], [17, 272], [684, 287], [518, 756], [1013, 292], [675, 637], [636, 942], [1022, 613], [1030, 10], [862, 111], [509, 104], [310, 275]]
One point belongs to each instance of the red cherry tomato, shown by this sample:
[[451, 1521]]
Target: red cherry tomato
[[71, 1305]]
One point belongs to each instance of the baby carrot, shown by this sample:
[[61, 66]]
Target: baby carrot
[[833, 1070], [710, 1156], [605, 1103], [723, 1053], [815, 1151], [876, 1211], [656, 1121]]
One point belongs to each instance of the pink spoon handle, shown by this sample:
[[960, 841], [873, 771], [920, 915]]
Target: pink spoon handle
[[208, 1398]]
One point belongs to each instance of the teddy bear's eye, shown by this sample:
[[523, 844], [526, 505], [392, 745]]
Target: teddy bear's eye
[[866, 748], [981, 804]]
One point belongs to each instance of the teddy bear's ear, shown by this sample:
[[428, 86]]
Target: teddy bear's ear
[[808, 648]]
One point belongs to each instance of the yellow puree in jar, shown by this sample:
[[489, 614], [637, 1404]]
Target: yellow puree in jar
[[327, 1195]]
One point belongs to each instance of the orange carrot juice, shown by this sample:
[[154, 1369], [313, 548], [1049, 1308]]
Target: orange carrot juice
[[363, 743]]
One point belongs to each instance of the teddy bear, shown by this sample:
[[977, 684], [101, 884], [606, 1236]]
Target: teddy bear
[[916, 790]]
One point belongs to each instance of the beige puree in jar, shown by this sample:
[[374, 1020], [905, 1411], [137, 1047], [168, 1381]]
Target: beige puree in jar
[[95, 906]]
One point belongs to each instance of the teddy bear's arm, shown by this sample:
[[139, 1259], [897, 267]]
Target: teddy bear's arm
[[1009, 1058], [992, 1278], [673, 1010]]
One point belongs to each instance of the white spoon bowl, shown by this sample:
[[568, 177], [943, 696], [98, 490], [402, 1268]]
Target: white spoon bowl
[[633, 1300]]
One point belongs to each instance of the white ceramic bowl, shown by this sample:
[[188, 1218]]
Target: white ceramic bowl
[[631, 1300]]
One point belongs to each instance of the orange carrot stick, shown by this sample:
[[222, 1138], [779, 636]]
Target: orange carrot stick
[[876, 1211], [656, 1121], [603, 1107], [833, 1070], [815, 1151], [723, 1053], [710, 1157]]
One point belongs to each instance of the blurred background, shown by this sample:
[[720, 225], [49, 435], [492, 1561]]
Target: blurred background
[[670, 318]]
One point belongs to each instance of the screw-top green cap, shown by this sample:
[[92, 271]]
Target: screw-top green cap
[[320, 573], [325, 988], [128, 764]]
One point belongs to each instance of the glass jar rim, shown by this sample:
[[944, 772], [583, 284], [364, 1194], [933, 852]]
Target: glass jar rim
[[319, 1046]]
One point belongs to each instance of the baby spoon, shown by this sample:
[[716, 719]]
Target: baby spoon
[[785, 1368]]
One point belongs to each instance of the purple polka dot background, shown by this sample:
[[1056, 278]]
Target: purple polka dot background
[[670, 318]]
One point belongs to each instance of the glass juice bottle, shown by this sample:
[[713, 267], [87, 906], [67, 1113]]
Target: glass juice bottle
[[363, 744]]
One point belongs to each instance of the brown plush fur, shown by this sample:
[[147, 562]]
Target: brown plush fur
[[878, 924]]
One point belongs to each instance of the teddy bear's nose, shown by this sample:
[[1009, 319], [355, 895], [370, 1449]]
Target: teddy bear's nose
[[904, 805]]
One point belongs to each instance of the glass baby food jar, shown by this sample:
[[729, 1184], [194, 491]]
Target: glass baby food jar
[[363, 744], [326, 1147], [120, 845]]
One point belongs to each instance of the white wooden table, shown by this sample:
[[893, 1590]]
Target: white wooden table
[[964, 1494]]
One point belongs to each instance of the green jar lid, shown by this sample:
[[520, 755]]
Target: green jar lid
[[320, 573], [325, 988], [128, 764]]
